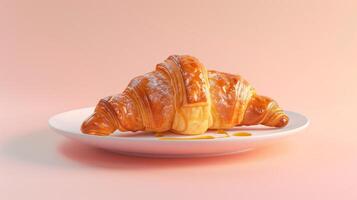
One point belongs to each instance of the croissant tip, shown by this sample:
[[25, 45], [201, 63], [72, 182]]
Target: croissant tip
[[97, 124], [283, 121]]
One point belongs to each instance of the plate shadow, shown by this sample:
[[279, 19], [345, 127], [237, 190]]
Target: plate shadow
[[95, 157], [35, 147]]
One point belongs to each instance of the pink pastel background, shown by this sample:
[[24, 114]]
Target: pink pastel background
[[65, 54]]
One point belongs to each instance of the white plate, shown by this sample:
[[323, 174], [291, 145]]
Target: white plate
[[146, 144]]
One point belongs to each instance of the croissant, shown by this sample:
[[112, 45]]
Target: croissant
[[182, 96]]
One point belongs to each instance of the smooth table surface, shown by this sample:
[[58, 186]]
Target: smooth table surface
[[61, 55]]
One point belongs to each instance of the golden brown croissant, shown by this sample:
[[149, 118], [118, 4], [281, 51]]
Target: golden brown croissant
[[183, 97]]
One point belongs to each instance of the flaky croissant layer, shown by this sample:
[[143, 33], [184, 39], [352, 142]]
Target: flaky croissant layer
[[183, 97]]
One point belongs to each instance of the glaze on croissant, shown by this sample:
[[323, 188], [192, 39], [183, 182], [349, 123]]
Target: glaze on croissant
[[183, 97]]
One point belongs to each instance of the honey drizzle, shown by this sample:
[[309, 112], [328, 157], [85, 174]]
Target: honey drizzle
[[201, 137], [239, 134]]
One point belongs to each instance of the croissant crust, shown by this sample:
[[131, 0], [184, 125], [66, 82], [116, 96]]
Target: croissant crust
[[182, 96]]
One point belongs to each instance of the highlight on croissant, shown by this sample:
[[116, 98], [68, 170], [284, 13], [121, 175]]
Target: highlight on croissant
[[184, 97]]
